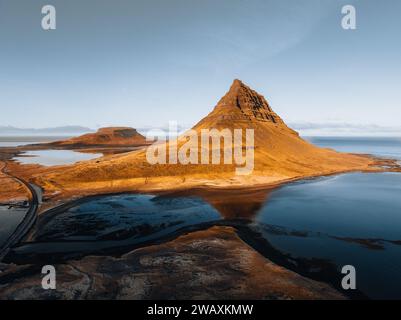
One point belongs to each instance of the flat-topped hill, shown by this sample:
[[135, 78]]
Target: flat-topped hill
[[110, 136]]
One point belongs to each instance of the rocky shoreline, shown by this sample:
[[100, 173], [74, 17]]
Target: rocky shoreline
[[209, 264]]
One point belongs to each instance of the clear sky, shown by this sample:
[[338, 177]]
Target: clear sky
[[143, 63]]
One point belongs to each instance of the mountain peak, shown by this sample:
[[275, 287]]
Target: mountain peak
[[246, 104], [235, 88], [237, 82]]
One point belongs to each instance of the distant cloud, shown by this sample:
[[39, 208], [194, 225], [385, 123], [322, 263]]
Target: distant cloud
[[65, 130], [343, 129]]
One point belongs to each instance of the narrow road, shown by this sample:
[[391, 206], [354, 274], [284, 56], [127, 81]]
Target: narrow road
[[30, 216]]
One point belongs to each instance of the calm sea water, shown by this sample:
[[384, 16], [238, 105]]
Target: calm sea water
[[45, 157], [14, 141], [9, 220], [351, 219], [347, 219], [382, 147], [120, 217], [54, 157]]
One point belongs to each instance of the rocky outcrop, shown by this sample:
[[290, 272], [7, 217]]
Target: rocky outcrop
[[243, 103], [210, 264]]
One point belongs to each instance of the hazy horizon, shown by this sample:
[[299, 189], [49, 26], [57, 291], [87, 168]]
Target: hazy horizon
[[129, 63], [304, 129]]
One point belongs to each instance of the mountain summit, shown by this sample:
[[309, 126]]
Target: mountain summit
[[242, 107], [246, 104]]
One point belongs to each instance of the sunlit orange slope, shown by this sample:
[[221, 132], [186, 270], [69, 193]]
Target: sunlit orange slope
[[280, 154]]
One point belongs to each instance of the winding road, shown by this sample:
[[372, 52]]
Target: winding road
[[30, 217]]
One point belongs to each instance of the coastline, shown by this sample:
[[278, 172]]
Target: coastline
[[174, 184]]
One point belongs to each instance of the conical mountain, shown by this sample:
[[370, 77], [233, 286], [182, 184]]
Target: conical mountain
[[279, 150], [279, 154], [241, 104]]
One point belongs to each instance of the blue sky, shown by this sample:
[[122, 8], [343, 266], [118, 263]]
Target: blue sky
[[143, 63]]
